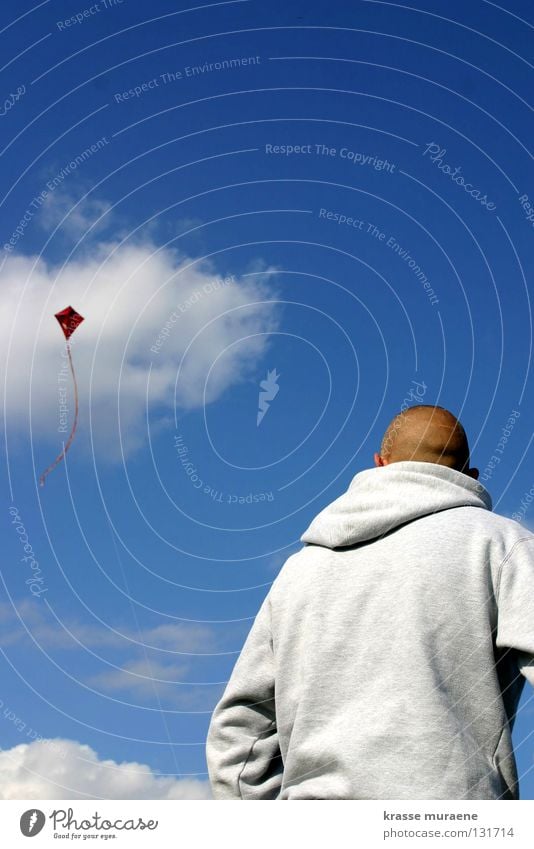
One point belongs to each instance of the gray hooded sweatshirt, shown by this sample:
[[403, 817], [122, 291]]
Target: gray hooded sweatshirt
[[388, 658]]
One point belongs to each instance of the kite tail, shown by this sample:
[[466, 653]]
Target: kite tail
[[67, 445]]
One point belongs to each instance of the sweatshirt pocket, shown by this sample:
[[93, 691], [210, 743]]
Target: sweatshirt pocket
[[261, 774], [503, 762]]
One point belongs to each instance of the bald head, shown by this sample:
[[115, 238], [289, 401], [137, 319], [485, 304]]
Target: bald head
[[429, 435]]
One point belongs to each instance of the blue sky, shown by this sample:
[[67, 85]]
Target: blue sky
[[339, 194]]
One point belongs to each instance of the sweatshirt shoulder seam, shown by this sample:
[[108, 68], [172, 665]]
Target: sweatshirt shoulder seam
[[506, 558]]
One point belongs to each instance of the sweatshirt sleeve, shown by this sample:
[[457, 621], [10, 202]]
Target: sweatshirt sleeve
[[242, 748], [515, 628]]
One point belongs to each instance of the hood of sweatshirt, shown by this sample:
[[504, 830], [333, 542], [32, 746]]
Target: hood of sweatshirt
[[381, 499]]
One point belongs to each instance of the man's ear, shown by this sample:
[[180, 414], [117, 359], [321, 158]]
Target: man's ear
[[379, 461], [473, 473]]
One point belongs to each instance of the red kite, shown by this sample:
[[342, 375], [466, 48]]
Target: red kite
[[69, 320]]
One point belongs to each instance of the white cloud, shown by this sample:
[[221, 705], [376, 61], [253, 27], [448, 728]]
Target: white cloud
[[66, 769], [127, 295]]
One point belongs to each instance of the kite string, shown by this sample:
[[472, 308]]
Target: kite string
[[67, 445]]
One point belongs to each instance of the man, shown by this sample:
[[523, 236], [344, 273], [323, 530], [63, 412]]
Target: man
[[388, 658]]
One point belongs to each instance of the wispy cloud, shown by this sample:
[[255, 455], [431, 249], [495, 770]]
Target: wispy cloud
[[161, 665], [70, 633], [74, 216], [156, 682], [143, 677]]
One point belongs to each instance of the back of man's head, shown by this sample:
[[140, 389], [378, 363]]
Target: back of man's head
[[428, 434]]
